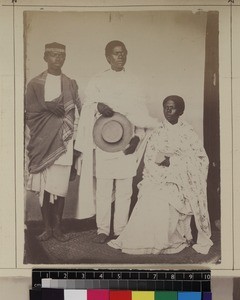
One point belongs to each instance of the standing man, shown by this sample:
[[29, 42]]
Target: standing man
[[114, 90], [51, 98]]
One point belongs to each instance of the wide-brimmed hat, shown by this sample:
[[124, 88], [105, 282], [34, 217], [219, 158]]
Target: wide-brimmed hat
[[112, 134]]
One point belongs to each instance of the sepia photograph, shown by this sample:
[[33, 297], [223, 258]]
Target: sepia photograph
[[122, 137]]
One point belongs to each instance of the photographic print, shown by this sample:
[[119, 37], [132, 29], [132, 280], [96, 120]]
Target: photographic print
[[122, 137]]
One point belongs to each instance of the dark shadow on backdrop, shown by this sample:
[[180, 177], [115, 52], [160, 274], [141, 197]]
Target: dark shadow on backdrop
[[211, 114]]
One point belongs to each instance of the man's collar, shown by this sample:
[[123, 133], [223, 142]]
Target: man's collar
[[170, 125], [123, 70]]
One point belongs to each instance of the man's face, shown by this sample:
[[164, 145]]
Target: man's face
[[117, 58], [171, 112], [55, 59]]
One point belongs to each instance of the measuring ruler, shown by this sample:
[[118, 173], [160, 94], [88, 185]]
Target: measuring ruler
[[115, 279]]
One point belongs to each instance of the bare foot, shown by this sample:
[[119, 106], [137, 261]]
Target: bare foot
[[61, 237], [46, 235], [101, 238], [190, 242]]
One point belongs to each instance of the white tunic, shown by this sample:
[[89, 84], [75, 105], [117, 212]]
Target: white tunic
[[122, 92]]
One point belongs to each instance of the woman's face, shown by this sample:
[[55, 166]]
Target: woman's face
[[171, 112]]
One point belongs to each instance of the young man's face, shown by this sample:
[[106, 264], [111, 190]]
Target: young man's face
[[117, 58], [55, 59]]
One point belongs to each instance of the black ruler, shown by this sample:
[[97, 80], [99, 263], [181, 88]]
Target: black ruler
[[149, 280]]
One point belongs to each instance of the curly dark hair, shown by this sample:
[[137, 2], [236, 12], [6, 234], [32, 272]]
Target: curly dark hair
[[111, 45], [180, 104]]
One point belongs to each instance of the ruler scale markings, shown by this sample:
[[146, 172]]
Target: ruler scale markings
[[196, 280], [143, 275], [168, 285], [81, 275], [151, 285], [189, 276], [133, 285], [134, 275], [123, 284], [196, 286], [198, 276], [206, 286], [177, 285], [89, 275], [171, 276], [179, 276], [153, 276], [126, 275], [160, 285], [104, 284], [54, 275], [187, 285], [108, 275], [116, 275], [72, 275]]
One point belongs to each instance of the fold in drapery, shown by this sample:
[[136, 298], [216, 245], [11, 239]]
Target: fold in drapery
[[49, 134]]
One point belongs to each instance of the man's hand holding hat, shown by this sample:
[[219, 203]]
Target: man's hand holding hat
[[132, 145], [105, 110]]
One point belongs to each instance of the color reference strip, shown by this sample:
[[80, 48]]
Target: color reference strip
[[133, 280], [133, 285], [61, 294]]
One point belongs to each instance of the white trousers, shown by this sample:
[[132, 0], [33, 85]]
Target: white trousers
[[105, 194]]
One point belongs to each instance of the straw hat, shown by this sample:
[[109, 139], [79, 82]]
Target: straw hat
[[112, 134]]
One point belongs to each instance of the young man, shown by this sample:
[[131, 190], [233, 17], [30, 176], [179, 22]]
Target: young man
[[114, 90], [51, 98]]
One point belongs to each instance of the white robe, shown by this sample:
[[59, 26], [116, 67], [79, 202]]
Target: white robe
[[169, 196]]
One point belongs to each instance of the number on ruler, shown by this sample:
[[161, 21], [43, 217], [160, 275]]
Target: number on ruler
[[172, 276], [65, 275], [189, 276], [82, 275], [101, 276], [119, 276], [154, 276], [207, 277]]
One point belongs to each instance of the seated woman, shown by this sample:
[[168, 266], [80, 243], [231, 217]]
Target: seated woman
[[173, 190]]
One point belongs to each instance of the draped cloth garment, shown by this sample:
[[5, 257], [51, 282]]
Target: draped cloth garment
[[169, 196], [50, 146], [49, 134]]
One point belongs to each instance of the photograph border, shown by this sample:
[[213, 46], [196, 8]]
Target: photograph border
[[225, 72]]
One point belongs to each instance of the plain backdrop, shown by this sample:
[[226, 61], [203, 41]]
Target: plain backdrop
[[166, 51]]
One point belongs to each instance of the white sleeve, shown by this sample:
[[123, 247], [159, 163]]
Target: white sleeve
[[140, 132], [92, 92]]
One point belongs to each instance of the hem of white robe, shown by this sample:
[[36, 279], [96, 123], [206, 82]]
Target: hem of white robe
[[202, 249], [114, 244]]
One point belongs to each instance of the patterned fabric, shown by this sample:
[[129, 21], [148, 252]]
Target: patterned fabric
[[188, 168], [169, 196], [49, 134]]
